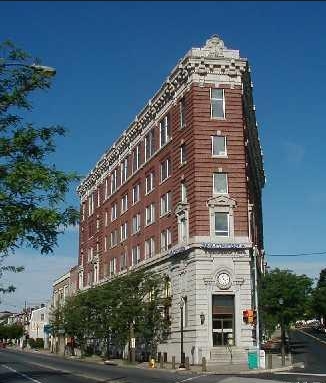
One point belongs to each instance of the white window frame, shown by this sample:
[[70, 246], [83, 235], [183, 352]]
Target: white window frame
[[123, 261], [124, 203], [114, 211], [91, 204], [165, 135], [90, 254], [136, 193], [165, 168], [112, 266], [136, 223], [165, 206], [135, 255], [124, 170], [106, 189], [123, 231], [223, 154], [114, 181], [149, 144], [166, 241], [150, 214], [114, 238], [136, 158], [215, 192], [149, 247], [149, 182], [183, 154], [106, 218], [220, 233], [184, 192], [217, 99]]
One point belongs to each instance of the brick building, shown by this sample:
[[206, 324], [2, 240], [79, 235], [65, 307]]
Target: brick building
[[180, 192]]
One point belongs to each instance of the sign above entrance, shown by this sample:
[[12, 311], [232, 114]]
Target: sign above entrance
[[213, 245]]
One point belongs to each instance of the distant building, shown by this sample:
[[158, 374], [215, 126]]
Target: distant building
[[38, 319], [179, 192]]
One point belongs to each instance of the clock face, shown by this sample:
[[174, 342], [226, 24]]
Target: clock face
[[223, 280]]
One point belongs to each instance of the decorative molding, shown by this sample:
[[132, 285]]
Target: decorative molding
[[198, 65], [221, 200]]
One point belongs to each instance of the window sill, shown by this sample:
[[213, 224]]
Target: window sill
[[183, 164], [220, 156], [149, 224], [218, 118], [162, 182], [165, 214], [149, 192]]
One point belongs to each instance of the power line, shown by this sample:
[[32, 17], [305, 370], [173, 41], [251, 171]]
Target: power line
[[295, 255]]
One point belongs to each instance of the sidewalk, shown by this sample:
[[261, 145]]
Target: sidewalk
[[218, 369]]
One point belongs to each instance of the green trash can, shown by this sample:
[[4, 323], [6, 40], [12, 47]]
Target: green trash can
[[252, 359]]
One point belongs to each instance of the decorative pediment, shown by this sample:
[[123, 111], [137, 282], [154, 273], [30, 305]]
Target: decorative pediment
[[181, 207], [221, 200]]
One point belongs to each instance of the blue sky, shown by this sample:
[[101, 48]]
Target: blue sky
[[112, 56]]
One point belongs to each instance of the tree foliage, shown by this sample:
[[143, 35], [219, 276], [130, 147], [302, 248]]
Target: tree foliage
[[319, 296], [108, 312], [32, 189], [13, 331], [295, 290]]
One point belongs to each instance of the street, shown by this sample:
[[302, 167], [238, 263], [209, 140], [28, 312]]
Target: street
[[308, 349]]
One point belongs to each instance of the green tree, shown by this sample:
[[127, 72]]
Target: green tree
[[319, 297], [295, 290], [32, 189]]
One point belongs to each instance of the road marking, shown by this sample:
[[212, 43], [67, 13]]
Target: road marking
[[21, 374], [297, 373], [312, 336], [187, 380]]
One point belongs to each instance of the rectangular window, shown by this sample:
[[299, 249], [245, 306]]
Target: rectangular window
[[90, 254], [164, 131], [124, 170], [135, 194], [165, 239], [123, 261], [124, 231], [150, 214], [98, 197], [149, 144], [183, 154], [165, 169], [149, 183], [182, 105], [219, 146], [217, 103], [220, 183], [112, 267], [135, 252], [42, 317], [136, 158], [136, 223], [91, 204], [114, 211], [124, 203], [149, 247], [183, 192], [106, 243], [83, 211], [114, 181], [106, 187], [98, 223], [106, 218], [222, 224], [165, 203], [114, 238]]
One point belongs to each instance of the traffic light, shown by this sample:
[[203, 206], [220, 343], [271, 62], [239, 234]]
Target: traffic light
[[255, 317], [250, 316], [245, 316]]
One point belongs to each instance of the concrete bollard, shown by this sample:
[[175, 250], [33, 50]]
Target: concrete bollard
[[269, 361], [203, 364], [187, 364], [173, 362]]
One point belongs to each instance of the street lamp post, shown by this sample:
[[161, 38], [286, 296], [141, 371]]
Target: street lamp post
[[182, 364], [281, 302]]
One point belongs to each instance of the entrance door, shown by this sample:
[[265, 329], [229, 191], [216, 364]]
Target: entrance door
[[222, 319]]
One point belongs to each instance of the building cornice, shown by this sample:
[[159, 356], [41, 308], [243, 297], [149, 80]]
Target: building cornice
[[200, 65]]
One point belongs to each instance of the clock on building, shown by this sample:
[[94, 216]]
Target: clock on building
[[224, 280]]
